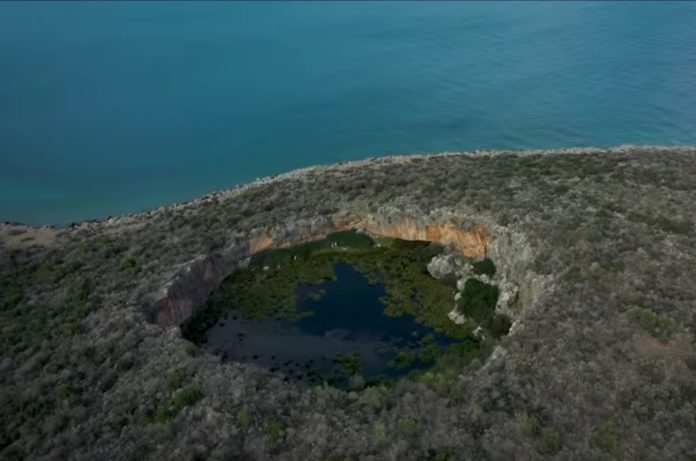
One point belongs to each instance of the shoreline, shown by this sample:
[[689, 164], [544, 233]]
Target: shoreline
[[348, 164]]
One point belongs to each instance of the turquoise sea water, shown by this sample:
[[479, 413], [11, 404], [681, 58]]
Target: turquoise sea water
[[108, 108]]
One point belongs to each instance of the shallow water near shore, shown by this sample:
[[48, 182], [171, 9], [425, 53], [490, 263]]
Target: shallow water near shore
[[341, 317], [115, 107]]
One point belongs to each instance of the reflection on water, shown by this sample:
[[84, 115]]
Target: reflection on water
[[344, 316]]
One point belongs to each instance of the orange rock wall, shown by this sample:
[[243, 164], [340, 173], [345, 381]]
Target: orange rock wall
[[472, 242], [192, 286]]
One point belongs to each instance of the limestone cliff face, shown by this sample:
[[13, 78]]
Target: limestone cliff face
[[260, 243], [181, 295], [473, 242], [192, 285]]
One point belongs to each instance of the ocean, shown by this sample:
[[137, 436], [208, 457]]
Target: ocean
[[115, 107]]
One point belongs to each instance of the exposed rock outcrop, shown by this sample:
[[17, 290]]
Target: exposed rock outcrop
[[191, 285], [469, 238], [388, 222], [520, 287], [444, 266]]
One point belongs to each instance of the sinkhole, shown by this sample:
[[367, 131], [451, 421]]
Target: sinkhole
[[348, 310]]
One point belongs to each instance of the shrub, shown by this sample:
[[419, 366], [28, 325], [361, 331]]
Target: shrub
[[186, 398], [409, 425], [550, 441], [128, 263], [530, 426], [69, 393], [381, 433], [442, 454], [405, 359], [465, 353], [675, 226], [373, 397], [275, 430], [80, 295], [349, 364], [606, 438], [659, 326], [484, 267], [178, 379], [243, 418], [478, 300], [499, 325], [429, 354], [349, 239]]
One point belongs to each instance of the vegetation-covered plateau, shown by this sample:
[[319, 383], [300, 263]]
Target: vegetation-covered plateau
[[574, 268]]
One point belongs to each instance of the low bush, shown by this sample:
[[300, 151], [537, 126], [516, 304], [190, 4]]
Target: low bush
[[484, 267], [550, 443], [606, 438], [186, 397], [478, 301], [275, 431], [659, 326]]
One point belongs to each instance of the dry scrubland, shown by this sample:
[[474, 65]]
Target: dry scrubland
[[600, 362]]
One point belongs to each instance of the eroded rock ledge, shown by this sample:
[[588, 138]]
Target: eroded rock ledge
[[469, 237]]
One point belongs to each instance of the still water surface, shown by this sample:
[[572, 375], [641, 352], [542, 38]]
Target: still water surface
[[348, 318], [107, 108]]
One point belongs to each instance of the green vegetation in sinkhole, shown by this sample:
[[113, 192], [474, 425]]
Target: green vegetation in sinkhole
[[267, 287], [477, 303]]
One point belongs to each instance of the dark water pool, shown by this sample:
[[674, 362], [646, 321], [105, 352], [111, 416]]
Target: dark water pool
[[343, 317]]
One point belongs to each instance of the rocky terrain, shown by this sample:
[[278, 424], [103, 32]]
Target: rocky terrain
[[595, 256]]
